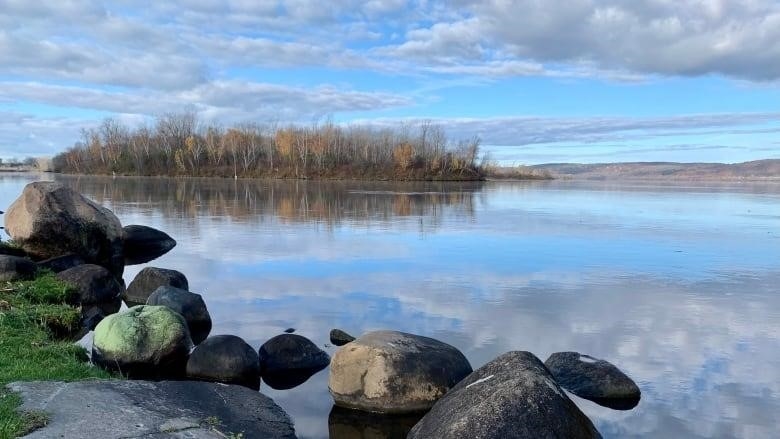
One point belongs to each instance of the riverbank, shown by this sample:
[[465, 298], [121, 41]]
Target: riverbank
[[36, 329]]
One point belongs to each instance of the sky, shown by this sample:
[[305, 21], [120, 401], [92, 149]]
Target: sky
[[538, 81]]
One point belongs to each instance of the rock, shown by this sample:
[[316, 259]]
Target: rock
[[10, 250], [512, 397], [143, 244], [14, 268], [91, 317], [291, 352], [50, 220], [148, 280], [225, 359], [190, 305], [339, 337], [289, 330], [61, 263], [394, 372], [96, 286], [141, 409], [143, 341], [355, 424], [594, 379]]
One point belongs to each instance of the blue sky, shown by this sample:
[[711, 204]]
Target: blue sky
[[554, 81]]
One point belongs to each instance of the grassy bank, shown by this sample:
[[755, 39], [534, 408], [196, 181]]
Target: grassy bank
[[35, 322]]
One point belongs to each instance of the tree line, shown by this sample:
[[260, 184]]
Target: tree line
[[179, 144]]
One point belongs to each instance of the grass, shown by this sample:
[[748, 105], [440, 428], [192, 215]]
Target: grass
[[35, 321]]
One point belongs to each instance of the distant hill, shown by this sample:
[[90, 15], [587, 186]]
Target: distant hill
[[755, 170]]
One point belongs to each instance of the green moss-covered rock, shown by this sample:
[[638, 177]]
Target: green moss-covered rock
[[143, 341]]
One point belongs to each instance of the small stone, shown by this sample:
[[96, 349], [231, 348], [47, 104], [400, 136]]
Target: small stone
[[339, 337], [289, 352], [148, 280], [594, 379]]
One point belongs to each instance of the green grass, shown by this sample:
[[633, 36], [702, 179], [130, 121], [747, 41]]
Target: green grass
[[34, 322]]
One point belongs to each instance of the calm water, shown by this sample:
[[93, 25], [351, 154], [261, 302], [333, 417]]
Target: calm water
[[679, 285]]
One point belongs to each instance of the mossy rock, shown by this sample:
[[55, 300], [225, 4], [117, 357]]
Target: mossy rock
[[143, 341]]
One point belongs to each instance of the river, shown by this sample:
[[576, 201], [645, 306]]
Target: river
[[676, 284]]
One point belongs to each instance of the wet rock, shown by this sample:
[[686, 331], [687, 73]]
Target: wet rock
[[50, 220], [143, 341], [96, 286], [594, 379], [190, 305], [143, 244], [289, 353], [339, 337], [512, 397], [394, 372], [15, 268], [141, 409], [61, 263], [148, 280], [225, 359], [355, 424]]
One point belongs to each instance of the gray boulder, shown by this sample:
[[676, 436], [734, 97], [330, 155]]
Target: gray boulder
[[50, 220], [96, 286], [14, 268], [594, 379], [143, 341], [148, 280], [512, 397], [143, 244], [189, 305], [141, 409], [394, 372], [61, 263], [225, 359], [340, 338], [289, 352]]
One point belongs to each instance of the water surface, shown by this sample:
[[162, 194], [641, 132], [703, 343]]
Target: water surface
[[675, 284]]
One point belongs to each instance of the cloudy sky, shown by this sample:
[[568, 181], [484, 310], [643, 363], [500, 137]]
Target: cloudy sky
[[538, 81]]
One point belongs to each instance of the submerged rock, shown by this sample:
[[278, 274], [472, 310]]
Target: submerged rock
[[339, 337], [143, 244], [225, 359], [50, 220], [594, 379], [141, 409], [148, 280], [355, 424], [394, 372], [289, 353], [14, 268], [96, 287], [143, 341], [512, 397]]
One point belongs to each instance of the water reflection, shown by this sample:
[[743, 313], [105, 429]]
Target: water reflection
[[352, 424], [675, 285]]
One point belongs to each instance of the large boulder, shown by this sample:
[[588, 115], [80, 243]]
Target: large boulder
[[394, 372], [115, 409], [96, 286], [148, 280], [594, 379], [143, 244], [14, 268], [61, 263], [189, 305], [143, 341], [50, 220], [225, 359], [511, 397]]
